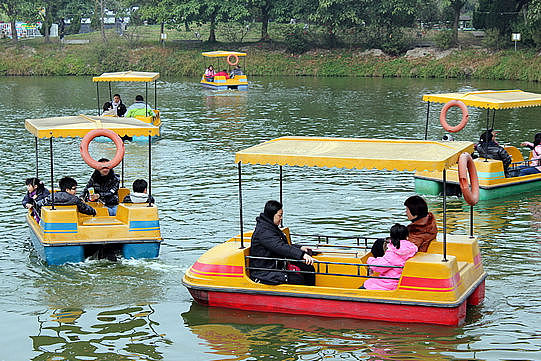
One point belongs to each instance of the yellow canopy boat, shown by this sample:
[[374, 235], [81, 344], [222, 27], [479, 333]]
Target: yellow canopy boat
[[493, 182], [435, 287], [65, 235], [132, 76], [233, 79]]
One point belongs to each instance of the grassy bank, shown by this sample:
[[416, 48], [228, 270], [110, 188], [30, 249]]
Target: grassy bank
[[177, 59]]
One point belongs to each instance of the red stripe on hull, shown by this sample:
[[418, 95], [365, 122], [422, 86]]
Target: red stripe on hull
[[453, 316], [213, 274], [217, 268], [430, 282]]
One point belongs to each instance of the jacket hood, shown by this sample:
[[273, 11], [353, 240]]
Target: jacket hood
[[406, 250], [139, 197]]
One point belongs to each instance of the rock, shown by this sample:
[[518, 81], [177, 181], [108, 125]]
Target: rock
[[427, 51], [372, 52]]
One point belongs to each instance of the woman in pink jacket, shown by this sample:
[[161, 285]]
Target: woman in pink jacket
[[535, 167], [399, 250]]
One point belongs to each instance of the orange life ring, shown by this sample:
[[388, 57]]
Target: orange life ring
[[465, 167], [443, 116], [119, 144], [229, 60]]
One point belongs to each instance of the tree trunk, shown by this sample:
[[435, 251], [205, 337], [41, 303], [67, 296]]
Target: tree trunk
[[14, 36], [264, 25], [162, 40], [456, 5], [102, 21], [186, 26], [212, 35]]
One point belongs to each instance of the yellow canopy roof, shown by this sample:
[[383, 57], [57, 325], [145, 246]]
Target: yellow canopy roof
[[127, 76], [492, 99], [401, 155], [79, 125], [222, 53]]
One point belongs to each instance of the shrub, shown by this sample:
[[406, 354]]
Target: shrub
[[444, 39], [296, 39], [494, 40]]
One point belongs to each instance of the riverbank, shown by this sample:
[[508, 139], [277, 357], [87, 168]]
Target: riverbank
[[264, 59]]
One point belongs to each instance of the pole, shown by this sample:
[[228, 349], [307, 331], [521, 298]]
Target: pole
[[444, 215], [37, 158], [240, 208], [155, 96], [52, 174], [281, 192], [471, 221], [110, 92], [146, 99], [98, 96], [427, 113], [149, 171], [122, 173]]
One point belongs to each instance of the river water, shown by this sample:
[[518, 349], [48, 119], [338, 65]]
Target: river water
[[139, 310]]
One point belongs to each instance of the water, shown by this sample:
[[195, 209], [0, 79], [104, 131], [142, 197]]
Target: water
[[138, 310]]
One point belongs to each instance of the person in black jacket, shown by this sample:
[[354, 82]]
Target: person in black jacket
[[105, 184], [118, 106], [36, 191], [67, 197], [489, 148], [269, 241]]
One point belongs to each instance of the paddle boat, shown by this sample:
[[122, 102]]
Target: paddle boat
[[492, 181], [132, 76], [222, 82], [435, 287], [65, 235]]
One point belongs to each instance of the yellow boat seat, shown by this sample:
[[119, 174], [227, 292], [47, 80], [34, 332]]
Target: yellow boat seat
[[122, 193]]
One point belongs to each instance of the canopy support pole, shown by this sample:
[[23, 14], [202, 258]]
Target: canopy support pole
[[149, 170], [37, 158], [122, 172], [146, 99], [427, 113], [98, 97], [240, 208], [155, 96], [444, 215], [110, 92], [471, 221], [493, 117], [281, 192], [485, 145], [52, 174]]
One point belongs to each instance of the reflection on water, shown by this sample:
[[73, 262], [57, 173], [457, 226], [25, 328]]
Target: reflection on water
[[124, 333]]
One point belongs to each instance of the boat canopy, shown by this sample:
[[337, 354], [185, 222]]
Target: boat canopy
[[400, 155], [490, 99], [221, 54], [79, 125], [127, 76]]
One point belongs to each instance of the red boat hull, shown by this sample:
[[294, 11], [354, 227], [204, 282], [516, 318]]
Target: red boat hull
[[452, 316]]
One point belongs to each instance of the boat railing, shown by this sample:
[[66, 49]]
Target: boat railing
[[318, 265], [324, 240]]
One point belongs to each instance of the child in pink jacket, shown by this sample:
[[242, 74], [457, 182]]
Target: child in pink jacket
[[535, 166], [399, 250]]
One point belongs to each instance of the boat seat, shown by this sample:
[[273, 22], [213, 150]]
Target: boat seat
[[101, 221], [122, 193]]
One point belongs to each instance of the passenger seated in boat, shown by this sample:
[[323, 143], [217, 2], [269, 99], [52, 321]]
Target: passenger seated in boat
[[236, 71], [118, 106], [399, 250], [379, 247], [36, 191], [108, 110], [222, 73], [422, 229], [269, 241], [535, 164], [139, 108], [209, 73], [104, 184], [67, 197], [139, 194], [489, 148]]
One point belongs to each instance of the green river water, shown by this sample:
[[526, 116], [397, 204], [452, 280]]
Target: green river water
[[139, 310]]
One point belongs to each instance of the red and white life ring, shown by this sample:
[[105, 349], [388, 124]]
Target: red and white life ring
[[232, 63], [119, 144], [465, 167], [443, 116]]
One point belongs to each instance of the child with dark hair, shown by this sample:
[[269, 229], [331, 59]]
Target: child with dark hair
[[108, 110], [399, 250], [379, 247], [67, 197], [422, 229], [36, 191], [104, 183], [139, 194]]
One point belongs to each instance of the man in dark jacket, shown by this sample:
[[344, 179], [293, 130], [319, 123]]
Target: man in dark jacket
[[119, 107], [489, 148], [269, 241], [67, 197], [105, 184]]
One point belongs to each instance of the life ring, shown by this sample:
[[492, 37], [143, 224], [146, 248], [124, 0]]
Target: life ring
[[231, 62], [443, 116], [465, 167], [119, 144]]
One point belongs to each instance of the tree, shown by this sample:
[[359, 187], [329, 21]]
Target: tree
[[498, 14], [337, 14], [456, 6], [16, 10]]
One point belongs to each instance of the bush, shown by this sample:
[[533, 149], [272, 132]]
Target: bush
[[494, 40], [444, 39], [296, 39]]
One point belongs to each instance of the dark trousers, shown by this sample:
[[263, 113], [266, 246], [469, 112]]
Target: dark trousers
[[307, 279]]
